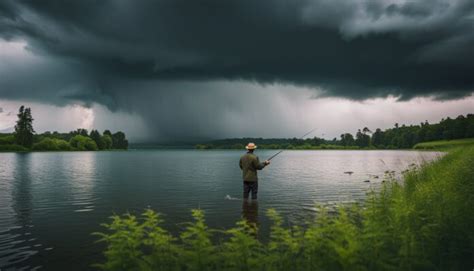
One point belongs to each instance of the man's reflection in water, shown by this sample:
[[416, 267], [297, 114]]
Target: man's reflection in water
[[250, 213]]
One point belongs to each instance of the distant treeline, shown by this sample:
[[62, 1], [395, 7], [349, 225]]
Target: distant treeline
[[25, 139], [398, 137]]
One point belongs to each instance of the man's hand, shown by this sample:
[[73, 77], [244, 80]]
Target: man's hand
[[266, 162]]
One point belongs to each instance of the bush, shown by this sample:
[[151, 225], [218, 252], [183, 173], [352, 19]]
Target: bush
[[6, 140], [52, 144], [83, 143], [12, 147]]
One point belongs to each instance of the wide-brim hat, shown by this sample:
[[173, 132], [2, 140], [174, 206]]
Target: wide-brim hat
[[251, 146]]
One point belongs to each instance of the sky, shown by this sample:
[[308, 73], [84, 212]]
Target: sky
[[170, 70]]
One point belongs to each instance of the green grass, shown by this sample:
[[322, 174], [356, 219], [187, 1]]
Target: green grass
[[445, 144], [426, 223]]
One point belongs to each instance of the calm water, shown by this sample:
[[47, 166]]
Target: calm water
[[51, 202]]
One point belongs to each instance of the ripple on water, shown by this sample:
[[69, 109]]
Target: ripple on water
[[67, 195], [84, 210], [16, 248]]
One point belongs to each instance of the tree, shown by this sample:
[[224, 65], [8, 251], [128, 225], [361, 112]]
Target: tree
[[82, 132], [377, 138], [119, 141], [362, 139], [107, 141], [316, 141], [52, 144], [95, 135], [83, 143], [24, 128], [460, 127], [347, 140], [470, 126]]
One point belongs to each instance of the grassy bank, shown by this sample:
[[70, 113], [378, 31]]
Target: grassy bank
[[445, 144], [426, 223]]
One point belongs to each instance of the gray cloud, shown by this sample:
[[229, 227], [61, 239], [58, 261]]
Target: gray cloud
[[172, 52], [356, 49]]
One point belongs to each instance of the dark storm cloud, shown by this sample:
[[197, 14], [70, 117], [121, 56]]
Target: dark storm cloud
[[356, 49], [90, 50]]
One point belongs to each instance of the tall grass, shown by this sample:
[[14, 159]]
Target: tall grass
[[445, 144], [426, 223]]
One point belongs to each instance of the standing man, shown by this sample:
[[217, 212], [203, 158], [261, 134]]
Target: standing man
[[249, 163]]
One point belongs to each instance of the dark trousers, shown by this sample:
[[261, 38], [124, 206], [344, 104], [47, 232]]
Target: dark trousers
[[250, 187]]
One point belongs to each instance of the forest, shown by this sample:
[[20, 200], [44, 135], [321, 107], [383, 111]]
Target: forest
[[398, 137], [26, 139]]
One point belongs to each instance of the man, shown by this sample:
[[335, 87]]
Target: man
[[249, 163]]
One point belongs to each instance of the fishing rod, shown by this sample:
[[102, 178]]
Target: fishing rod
[[301, 137]]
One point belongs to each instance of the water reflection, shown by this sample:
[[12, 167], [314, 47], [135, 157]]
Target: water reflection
[[250, 212], [83, 176], [17, 242], [6, 186], [21, 193]]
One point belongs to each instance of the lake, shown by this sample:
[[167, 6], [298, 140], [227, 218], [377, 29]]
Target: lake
[[50, 203]]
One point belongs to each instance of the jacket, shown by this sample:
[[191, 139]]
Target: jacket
[[249, 163]]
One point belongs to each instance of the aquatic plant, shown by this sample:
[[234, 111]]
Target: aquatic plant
[[424, 223]]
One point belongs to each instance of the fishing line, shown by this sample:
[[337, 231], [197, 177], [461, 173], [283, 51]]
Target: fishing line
[[301, 137]]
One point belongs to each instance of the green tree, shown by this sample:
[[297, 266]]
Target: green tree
[[107, 139], [362, 139], [460, 127], [470, 126], [24, 128], [447, 127], [83, 143], [95, 135], [422, 132], [347, 140], [52, 144], [377, 138], [82, 132], [119, 141]]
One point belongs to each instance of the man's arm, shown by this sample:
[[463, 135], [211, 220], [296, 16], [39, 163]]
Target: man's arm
[[258, 165], [240, 163]]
